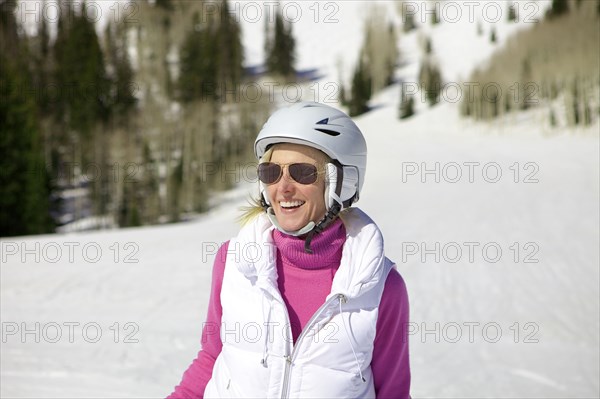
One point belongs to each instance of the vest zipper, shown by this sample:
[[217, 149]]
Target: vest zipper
[[289, 359]]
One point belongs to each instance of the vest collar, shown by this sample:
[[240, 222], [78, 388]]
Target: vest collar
[[361, 267]]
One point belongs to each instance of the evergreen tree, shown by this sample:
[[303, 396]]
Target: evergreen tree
[[81, 74], [360, 93], [409, 23], [575, 102], [435, 18], [280, 46], [230, 50], [391, 55], [507, 104], [430, 79], [558, 8], [342, 96], [211, 58], [150, 186], [85, 102], [199, 62], [24, 203], [428, 48], [587, 114], [512, 13], [553, 121], [129, 214], [10, 43], [176, 181], [164, 4], [525, 82], [122, 98], [465, 107], [43, 67], [406, 109]]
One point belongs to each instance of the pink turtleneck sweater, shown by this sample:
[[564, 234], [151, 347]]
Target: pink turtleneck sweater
[[300, 273]]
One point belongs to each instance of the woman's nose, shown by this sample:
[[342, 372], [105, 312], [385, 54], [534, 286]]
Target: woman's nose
[[286, 180]]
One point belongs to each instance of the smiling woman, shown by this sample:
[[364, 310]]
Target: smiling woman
[[323, 313]]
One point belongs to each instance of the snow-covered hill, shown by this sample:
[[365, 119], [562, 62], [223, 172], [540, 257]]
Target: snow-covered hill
[[495, 228]]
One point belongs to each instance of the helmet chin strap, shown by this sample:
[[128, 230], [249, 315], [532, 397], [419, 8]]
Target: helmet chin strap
[[310, 229], [271, 215], [329, 217]]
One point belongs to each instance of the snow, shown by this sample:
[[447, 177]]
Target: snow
[[520, 323]]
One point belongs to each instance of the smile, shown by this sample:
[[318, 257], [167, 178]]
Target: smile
[[291, 204]]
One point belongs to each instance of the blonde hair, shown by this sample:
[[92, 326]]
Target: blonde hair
[[255, 204]]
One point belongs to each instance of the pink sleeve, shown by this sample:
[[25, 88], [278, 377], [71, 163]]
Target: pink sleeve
[[198, 374], [390, 364]]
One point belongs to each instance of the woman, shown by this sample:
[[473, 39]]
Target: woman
[[304, 302]]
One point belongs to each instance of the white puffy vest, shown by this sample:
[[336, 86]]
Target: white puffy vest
[[332, 355]]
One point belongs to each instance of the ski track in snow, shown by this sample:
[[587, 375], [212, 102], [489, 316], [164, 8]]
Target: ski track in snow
[[165, 293]]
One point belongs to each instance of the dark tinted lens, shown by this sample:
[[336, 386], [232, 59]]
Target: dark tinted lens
[[269, 172], [303, 173]]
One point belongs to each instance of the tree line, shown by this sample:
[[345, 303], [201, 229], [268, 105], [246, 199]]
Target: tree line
[[128, 126], [553, 65]]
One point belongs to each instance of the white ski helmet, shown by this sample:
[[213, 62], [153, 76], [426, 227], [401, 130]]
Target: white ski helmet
[[330, 131]]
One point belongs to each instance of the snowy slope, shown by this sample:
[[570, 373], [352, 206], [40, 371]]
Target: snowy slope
[[505, 327]]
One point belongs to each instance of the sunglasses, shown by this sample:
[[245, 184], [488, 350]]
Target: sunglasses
[[303, 173]]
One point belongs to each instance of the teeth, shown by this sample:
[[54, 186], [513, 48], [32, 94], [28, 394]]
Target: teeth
[[290, 204]]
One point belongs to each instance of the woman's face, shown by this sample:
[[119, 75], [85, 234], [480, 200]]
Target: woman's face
[[297, 204]]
